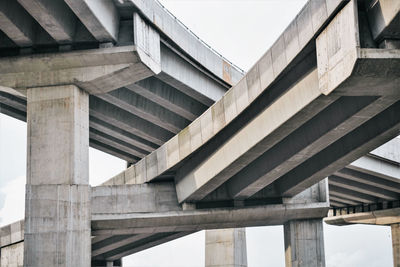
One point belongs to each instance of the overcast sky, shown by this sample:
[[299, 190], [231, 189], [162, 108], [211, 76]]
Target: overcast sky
[[241, 30]]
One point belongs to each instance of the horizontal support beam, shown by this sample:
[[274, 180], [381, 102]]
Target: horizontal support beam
[[96, 71], [378, 217], [195, 220]]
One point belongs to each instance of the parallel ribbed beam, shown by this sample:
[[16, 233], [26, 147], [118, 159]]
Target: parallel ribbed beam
[[168, 97], [363, 188], [115, 242], [114, 142], [128, 122], [16, 23], [113, 130], [112, 151], [350, 194], [54, 16], [368, 179], [145, 243], [145, 109], [343, 200]]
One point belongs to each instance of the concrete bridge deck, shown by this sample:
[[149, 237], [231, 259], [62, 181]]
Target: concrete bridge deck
[[257, 156]]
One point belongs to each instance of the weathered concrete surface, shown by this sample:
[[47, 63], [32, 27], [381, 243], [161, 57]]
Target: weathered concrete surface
[[304, 243], [226, 248], [378, 217], [96, 71], [57, 210], [241, 95], [12, 255], [396, 244]]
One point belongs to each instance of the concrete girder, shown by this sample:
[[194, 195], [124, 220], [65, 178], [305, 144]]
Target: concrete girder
[[116, 143], [100, 17], [378, 217], [16, 23], [115, 242], [330, 124], [343, 201], [54, 16], [142, 244], [368, 179], [350, 194], [180, 74], [96, 71], [363, 188], [111, 150], [128, 137], [145, 109], [268, 69], [127, 121], [168, 97]]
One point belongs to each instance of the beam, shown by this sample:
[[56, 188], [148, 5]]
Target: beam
[[368, 179], [112, 151], [336, 156], [195, 220], [377, 217], [16, 23], [128, 122], [115, 143], [363, 188], [145, 109], [100, 17], [115, 242], [54, 16], [168, 97], [113, 130], [337, 119], [198, 181], [349, 202], [145, 243], [349, 194]]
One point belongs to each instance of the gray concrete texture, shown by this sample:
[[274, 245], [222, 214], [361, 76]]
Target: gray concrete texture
[[226, 248], [304, 243], [396, 244], [57, 204], [240, 96]]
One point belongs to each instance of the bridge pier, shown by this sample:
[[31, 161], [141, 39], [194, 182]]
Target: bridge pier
[[396, 244], [226, 248], [304, 243], [57, 213]]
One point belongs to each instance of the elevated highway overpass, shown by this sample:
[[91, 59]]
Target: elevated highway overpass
[[143, 88]]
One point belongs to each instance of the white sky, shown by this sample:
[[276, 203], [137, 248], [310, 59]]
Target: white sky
[[241, 30]]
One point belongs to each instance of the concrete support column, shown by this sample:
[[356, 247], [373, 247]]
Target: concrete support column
[[57, 205], [304, 243], [396, 244], [226, 248]]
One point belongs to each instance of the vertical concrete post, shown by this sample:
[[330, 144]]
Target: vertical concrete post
[[57, 205], [396, 244], [226, 248], [304, 243]]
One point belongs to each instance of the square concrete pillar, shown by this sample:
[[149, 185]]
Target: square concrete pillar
[[396, 244], [304, 243], [57, 205], [226, 248]]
